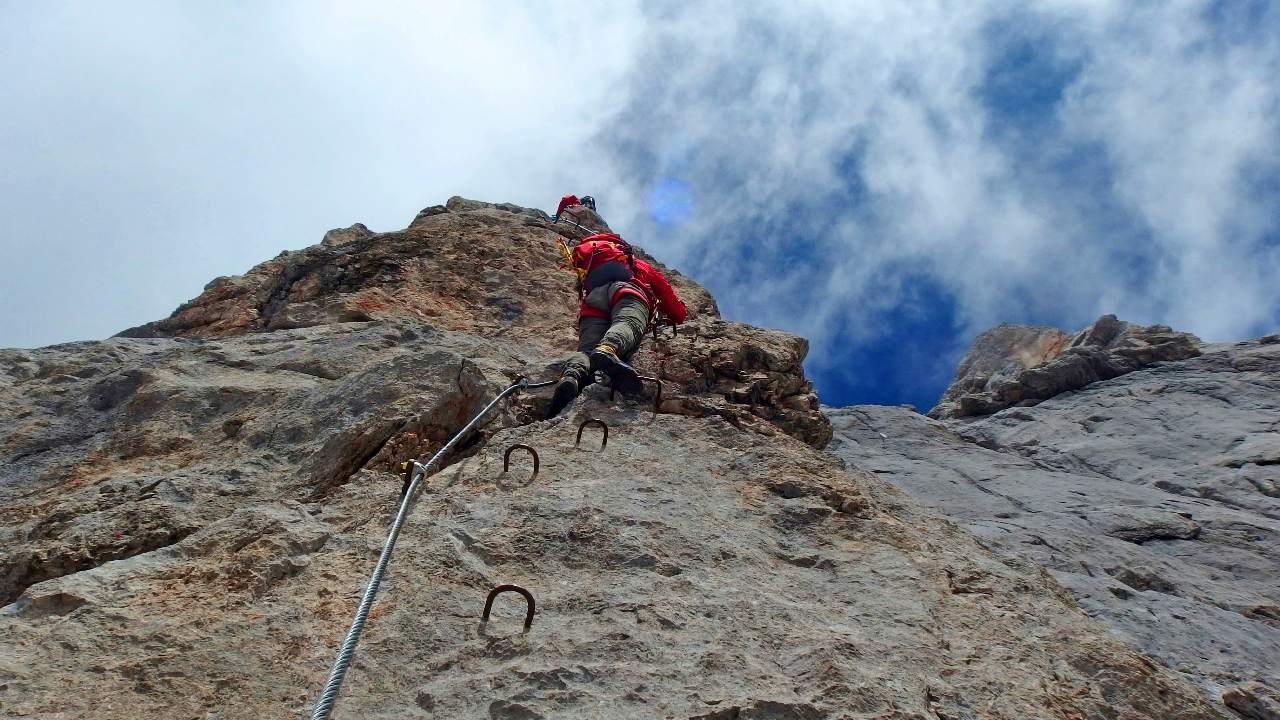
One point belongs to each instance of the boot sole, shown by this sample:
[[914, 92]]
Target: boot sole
[[622, 377], [564, 394]]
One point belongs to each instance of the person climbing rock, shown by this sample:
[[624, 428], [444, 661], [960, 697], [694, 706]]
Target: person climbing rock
[[619, 296]]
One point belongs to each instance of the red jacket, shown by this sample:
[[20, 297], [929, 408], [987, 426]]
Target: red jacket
[[601, 258], [565, 202]]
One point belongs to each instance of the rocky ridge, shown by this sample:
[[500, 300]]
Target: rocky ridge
[[1021, 365], [1154, 496], [189, 512], [490, 270]]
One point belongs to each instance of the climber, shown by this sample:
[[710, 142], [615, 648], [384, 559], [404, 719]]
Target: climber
[[618, 296]]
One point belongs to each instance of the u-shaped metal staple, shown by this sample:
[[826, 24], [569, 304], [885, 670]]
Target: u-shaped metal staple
[[528, 596], [674, 332], [506, 458], [657, 397], [593, 421]]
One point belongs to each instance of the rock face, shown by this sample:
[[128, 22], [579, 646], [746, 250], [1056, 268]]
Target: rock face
[[189, 513], [1022, 365], [1154, 497], [490, 270], [1254, 701]]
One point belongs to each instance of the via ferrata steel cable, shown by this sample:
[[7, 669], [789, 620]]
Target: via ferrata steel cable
[[324, 706]]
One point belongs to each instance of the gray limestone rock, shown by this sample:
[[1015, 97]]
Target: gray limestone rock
[[1151, 496], [687, 569], [1253, 701], [1022, 365], [342, 236], [189, 513]]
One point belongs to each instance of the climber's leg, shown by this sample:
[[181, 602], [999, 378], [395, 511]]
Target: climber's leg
[[629, 317], [577, 368], [591, 332]]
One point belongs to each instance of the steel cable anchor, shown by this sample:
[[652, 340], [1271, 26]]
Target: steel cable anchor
[[416, 473]]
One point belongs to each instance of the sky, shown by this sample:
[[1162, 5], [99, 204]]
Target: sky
[[886, 179]]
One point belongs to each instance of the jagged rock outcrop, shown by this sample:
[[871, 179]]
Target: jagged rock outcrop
[[1253, 701], [1022, 365], [1154, 497], [491, 270], [189, 512]]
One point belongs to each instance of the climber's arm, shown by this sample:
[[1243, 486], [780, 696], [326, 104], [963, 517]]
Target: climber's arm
[[670, 302]]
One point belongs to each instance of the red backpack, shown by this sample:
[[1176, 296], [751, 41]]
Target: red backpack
[[603, 258]]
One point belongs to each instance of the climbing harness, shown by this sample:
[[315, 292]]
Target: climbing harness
[[657, 317], [562, 244], [324, 706]]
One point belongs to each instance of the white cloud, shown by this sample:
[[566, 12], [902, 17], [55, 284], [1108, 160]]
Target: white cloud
[[150, 147], [1185, 119], [1163, 228]]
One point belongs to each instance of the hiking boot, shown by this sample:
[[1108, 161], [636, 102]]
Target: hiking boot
[[622, 377], [566, 390]]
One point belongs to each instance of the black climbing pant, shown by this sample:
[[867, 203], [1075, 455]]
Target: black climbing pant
[[623, 332]]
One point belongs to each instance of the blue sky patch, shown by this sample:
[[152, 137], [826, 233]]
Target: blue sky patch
[[1025, 80], [912, 360], [670, 202]]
